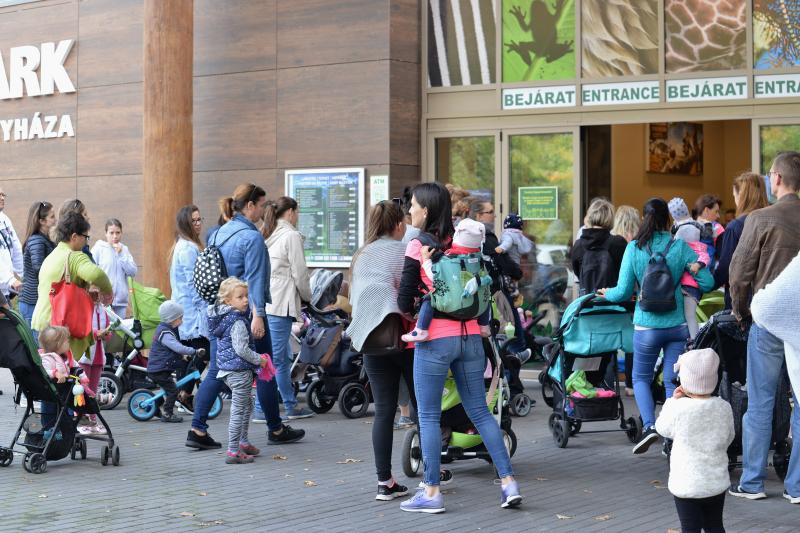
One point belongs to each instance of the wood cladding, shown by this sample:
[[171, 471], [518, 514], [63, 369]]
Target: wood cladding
[[110, 42]]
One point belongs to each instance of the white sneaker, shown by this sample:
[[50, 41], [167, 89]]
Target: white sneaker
[[792, 499]]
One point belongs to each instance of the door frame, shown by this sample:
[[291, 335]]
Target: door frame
[[755, 135]]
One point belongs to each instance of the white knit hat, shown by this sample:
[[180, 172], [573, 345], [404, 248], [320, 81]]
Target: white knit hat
[[698, 371], [469, 234]]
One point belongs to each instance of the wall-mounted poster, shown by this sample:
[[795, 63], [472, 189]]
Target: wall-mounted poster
[[331, 213], [538, 40], [776, 33], [675, 148]]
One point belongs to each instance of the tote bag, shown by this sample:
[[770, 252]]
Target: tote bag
[[72, 306]]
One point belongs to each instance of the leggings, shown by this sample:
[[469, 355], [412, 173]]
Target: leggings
[[241, 384], [92, 372], [701, 514]]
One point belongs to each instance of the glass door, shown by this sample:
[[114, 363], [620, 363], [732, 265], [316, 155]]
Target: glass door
[[769, 138]]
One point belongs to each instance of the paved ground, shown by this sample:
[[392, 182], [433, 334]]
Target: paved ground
[[327, 483]]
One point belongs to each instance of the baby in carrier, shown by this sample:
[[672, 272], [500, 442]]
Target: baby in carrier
[[513, 241], [468, 239], [689, 232]]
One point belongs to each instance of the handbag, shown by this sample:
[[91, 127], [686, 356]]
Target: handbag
[[71, 306], [385, 338]]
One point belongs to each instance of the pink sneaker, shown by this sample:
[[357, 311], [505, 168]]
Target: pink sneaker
[[248, 449], [486, 331], [415, 335], [238, 458]]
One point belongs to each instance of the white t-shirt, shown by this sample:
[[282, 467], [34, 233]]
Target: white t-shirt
[[10, 253]]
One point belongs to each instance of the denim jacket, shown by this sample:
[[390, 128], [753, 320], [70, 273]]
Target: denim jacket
[[181, 272], [245, 255]]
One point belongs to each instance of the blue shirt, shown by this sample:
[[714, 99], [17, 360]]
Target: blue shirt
[[634, 263], [181, 273], [245, 255]]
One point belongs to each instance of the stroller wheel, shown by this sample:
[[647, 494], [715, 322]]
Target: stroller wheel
[[113, 389], [547, 389], [26, 462], [114, 452], [353, 400], [216, 408], [412, 453], [521, 404], [634, 429], [561, 430], [83, 448], [510, 441], [105, 453], [138, 409], [574, 427], [316, 401], [37, 464], [6, 456]]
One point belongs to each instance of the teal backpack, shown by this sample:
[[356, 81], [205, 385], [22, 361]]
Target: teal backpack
[[452, 295]]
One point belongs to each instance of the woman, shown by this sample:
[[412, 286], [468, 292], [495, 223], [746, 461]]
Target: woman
[[36, 246], [749, 194], [288, 285], [376, 272], [626, 224], [453, 345], [655, 331], [72, 233], [75, 206], [706, 211], [595, 244], [117, 262]]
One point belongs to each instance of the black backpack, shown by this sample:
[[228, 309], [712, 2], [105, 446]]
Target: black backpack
[[209, 270], [597, 269], [657, 290]]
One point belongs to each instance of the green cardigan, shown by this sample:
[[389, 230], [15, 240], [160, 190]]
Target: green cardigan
[[82, 271], [634, 263]]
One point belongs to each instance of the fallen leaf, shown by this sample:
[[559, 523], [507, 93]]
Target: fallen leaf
[[587, 491], [43, 495], [136, 444], [602, 518], [659, 486], [202, 494], [186, 513], [309, 483], [368, 421], [673, 530], [541, 479], [563, 517], [288, 475], [309, 461], [655, 482], [348, 461], [211, 523], [279, 457]]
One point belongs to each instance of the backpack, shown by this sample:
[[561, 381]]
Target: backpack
[[657, 289], [597, 269], [450, 277], [209, 270], [706, 237]]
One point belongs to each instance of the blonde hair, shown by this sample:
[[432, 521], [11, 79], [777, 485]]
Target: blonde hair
[[52, 338], [227, 287], [752, 193], [600, 214], [626, 221]]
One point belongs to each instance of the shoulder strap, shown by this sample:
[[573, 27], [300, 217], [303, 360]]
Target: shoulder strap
[[65, 275], [226, 238]]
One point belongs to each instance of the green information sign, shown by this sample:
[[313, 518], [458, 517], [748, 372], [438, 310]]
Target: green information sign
[[538, 203]]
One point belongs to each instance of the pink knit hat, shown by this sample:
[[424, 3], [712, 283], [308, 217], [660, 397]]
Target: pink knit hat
[[698, 371], [469, 234]]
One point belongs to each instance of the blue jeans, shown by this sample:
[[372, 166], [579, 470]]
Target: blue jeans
[[765, 358], [647, 344], [26, 310], [466, 358], [207, 392], [280, 327]]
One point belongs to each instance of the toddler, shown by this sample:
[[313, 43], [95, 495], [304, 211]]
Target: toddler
[[688, 231], [92, 362], [467, 239], [167, 355], [701, 427], [513, 241], [54, 351], [229, 323]]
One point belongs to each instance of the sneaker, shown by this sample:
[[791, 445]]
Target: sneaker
[[249, 449], [172, 418], [421, 503], [386, 493], [259, 418], [524, 355], [187, 405], [403, 422], [648, 437], [238, 458], [739, 492], [510, 496], [286, 436], [792, 499], [201, 442], [415, 335], [445, 478], [298, 412]]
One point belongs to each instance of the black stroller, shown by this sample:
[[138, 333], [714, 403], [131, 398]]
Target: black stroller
[[48, 436], [723, 334], [326, 357]]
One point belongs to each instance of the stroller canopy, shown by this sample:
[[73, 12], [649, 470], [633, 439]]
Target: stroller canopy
[[325, 286], [18, 353], [592, 325]]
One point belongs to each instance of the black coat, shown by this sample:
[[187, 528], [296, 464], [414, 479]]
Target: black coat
[[592, 239]]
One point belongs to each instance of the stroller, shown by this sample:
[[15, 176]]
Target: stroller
[[48, 436], [723, 334], [335, 370], [460, 440], [591, 332]]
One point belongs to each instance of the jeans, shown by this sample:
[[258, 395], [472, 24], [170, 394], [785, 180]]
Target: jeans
[[196, 343], [698, 514], [267, 391], [765, 357], [280, 327], [207, 393], [385, 373], [647, 344], [465, 356], [26, 310], [165, 380]]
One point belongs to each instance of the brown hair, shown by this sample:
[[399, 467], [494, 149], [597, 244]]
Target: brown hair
[[787, 164], [275, 210], [183, 228], [751, 191], [113, 222], [242, 195], [38, 212], [52, 337], [707, 201], [72, 206], [383, 218]]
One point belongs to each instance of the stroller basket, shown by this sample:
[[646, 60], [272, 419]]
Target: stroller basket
[[588, 409]]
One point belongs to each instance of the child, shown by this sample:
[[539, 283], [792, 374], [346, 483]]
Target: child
[[117, 262], [93, 362], [54, 351], [512, 240], [468, 239], [229, 323], [701, 427], [687, 230], [165, 356]]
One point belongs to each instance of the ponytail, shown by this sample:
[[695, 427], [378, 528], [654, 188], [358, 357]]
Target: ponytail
[[275, 210], [225, 209], [243, 195]]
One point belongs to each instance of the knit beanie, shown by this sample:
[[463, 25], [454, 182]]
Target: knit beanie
[[678, 210], [698, 371], [170, 311], [469, 234], [512, 221]]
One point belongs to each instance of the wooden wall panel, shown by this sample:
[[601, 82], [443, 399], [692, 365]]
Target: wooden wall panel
[[404, 126], [333, 115], [322, 32], [23, 193], [234, 121], [37, 23], [110, 130], [404, 31], [401, 176], [209, 187], [110, 42], [234, 36]]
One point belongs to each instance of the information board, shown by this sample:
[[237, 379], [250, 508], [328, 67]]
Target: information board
[[538, 203], [331, 213]]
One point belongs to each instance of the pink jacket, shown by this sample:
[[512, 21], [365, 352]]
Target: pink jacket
[[702, 255], [53, 362]]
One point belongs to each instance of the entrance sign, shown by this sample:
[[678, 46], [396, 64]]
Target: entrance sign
[[378, 189], [777, 86], [638, 92], [331, 213], [701, 90], [538, 203], [539, 97]]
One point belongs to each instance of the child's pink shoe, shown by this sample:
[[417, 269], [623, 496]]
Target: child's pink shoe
[[486, 331], [238, 458], [249, 449], [415, 335]]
